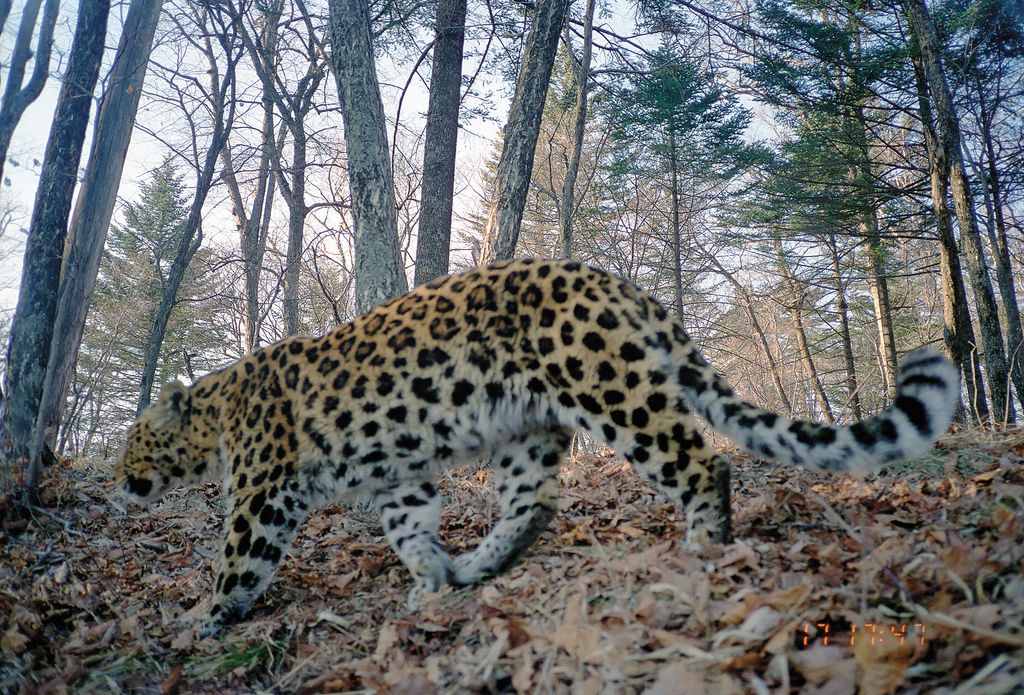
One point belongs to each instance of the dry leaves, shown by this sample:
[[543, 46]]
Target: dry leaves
[[909, 583]]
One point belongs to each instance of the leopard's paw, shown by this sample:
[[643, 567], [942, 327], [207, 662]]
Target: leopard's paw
[[217, 618], [468, 569], [210, 626]]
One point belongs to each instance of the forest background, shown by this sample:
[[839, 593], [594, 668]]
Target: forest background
[[813, 188], [777, 173]]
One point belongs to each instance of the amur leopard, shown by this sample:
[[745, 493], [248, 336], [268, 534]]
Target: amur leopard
[[504, 362]]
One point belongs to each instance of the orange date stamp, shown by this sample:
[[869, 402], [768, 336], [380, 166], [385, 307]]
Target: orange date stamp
[[831, 634]]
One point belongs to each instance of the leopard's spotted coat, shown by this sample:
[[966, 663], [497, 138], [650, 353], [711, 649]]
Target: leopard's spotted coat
[[504, 361]]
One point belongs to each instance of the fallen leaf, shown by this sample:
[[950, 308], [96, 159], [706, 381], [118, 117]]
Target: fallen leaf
[[173, 683], [883, 661], [676, 678]]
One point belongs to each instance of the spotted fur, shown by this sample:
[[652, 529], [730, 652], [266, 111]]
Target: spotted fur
[[503, 362]]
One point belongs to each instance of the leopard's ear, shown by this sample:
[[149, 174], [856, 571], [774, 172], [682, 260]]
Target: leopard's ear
[[172, 403]]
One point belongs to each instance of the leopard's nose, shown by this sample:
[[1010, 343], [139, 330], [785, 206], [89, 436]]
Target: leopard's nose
[[139, 487]]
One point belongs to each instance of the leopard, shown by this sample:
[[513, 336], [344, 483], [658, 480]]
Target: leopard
[[502, 363]]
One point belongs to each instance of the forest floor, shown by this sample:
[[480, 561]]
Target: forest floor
[[912, 581]]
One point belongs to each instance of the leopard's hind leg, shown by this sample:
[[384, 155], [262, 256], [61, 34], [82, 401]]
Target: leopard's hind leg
[[660, 439], [526, 472], [411, 515]]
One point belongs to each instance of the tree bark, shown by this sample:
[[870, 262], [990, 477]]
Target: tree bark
[[5, 11], [296, 201], [567, 203], [958, 331], [380, 273], [878, 281], [94, 207], [862, 177], [878, 286], [253, 224], [843, 308], [32, 327], [433, 243], [950, 143], [796, 304], [505, 214], [676, 233], [1001, 251], [16, 97]]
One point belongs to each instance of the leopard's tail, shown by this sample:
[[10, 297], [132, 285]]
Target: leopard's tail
[[927, 397]]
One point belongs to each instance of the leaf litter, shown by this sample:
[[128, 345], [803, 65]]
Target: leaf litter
[[908, 582]]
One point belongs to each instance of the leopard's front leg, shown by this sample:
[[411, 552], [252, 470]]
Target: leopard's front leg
[[261, 525]]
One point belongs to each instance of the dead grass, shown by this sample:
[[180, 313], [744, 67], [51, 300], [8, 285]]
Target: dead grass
[[98, 598]]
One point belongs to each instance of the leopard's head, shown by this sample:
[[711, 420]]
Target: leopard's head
[[160, 451]]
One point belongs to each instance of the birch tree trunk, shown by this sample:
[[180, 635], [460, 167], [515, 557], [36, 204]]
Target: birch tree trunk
[[505, 214], [958, 330], [19, 94], [567, 203], [950, 142], [862, 176], [32, 327], [94, 207], [878, 281], [433, 243], [379, 271]]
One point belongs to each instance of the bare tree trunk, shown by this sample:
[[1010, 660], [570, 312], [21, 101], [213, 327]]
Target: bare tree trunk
[[94, 207], [677, 242], [433, 243], [567, 203], [762, 339], [253, 224], [32, 327], [950, 142], [861, 175], [223, 116], [380, 274], [501, 231], [878, 285], [5, 11], [1001, 251], [958, 331], [17, 97], [293, 109], [796, 304], [295, 197], [878, 281], [843, 308]]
